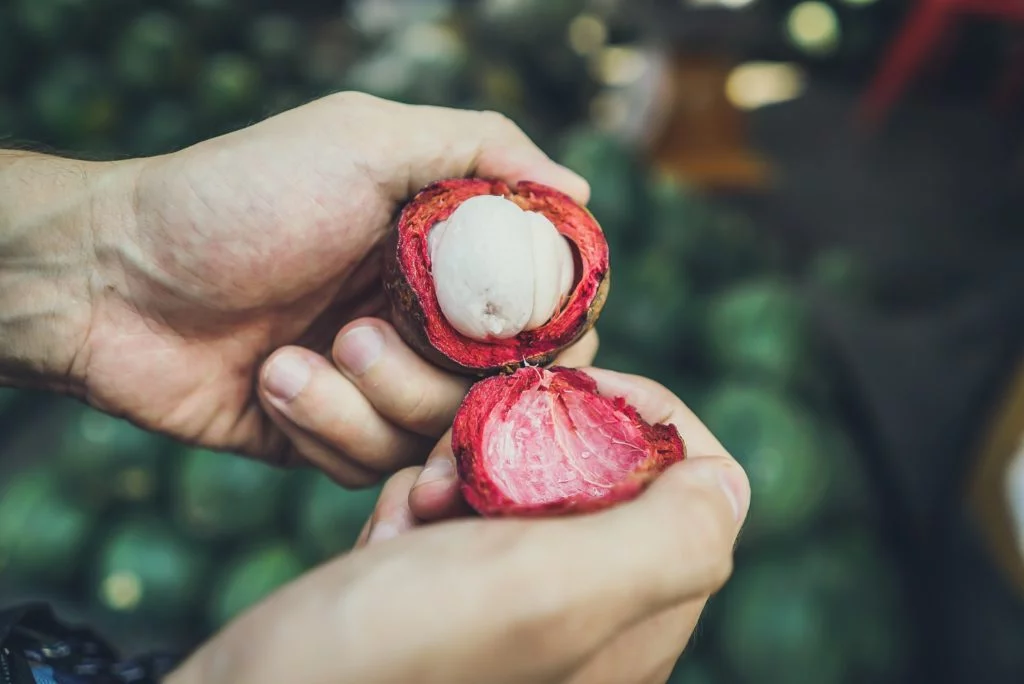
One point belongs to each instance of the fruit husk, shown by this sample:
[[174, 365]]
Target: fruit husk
[[664, 445], [412, 316]]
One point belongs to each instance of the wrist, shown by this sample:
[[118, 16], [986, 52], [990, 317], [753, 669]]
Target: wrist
[[57, 219]]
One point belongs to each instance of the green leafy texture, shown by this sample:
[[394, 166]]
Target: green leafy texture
[[250, 578], [330, 517], [144, 569], [154, 52], [75, 103], [617, 190], [761, 329], [650, 308], [43, 534], [228, 87], [218, 496], [778, 444], [830, 613], [108, 459]]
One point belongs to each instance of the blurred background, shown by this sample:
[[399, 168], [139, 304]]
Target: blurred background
[[815, 210]]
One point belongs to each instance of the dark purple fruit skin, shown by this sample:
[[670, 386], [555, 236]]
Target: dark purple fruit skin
[[409, 318]]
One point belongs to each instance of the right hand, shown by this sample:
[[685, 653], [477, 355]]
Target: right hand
[[605, 598]]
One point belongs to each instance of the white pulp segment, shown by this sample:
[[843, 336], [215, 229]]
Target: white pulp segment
[[498, 270]]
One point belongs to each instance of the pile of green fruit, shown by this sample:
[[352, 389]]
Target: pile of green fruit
[[148, 537], [149, 534], [720, 314]]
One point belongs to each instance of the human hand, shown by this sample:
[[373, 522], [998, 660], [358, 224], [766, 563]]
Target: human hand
[[609, 597], [268, 238]]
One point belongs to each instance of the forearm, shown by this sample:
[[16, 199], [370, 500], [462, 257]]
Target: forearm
[[51, 213]]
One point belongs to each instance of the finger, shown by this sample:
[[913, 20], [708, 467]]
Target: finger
[[392, 515], [364, 533], [657, 404], [436, 495], [489, 144], [336, 465], [646, 652], [438, 142], [671, 545], [313, 396], [581, 353], [404, 388]]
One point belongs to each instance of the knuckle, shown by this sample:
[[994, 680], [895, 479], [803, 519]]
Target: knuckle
[[720, 571], [707, 548], [357, 479], [498, 122], [417, 407], [351, 98]]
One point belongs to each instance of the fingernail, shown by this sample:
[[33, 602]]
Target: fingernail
[[737, 490], [382, 531], [287, 376], [359, 349], [436, 470]]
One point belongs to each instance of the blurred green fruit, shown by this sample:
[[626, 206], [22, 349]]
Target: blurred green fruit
[[250, 578], [109, 459], [144, 569], [277, 40], [831, 611], [43, 534], [218, 496], [164, 126], [777, 443], [650, 307], [154, 52], [330, 517], [617, 191], [761, 329], [74, 101], [228, 86]]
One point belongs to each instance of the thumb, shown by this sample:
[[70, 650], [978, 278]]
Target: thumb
[[439, 142], [672, 544]]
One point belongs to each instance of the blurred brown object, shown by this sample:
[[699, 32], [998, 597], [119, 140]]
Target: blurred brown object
[[989, 495], [704, 139]]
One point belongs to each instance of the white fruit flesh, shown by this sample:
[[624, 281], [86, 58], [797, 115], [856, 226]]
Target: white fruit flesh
[[498, 270]]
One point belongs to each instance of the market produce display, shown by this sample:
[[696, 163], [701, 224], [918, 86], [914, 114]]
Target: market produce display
[[159, 538]]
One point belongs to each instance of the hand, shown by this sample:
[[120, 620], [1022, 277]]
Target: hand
[[605, 598], [268, 238]]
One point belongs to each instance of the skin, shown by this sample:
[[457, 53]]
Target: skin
[[229, 295]]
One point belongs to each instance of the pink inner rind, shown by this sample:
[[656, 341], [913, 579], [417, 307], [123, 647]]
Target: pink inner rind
[[544, 441], [436, 203]]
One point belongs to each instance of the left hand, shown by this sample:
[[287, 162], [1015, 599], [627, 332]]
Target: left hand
[[267, 241]]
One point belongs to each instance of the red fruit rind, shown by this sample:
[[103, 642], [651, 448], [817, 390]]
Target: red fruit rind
[[543, 442], [409, 284]]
